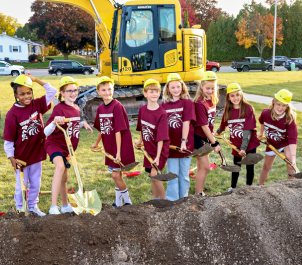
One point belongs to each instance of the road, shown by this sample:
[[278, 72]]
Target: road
[[229, 69], [44, 72]]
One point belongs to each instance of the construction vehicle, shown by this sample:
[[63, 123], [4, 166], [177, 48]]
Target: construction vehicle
[[141, 40]]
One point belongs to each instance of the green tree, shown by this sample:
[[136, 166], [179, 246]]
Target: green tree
[[8, 24], [25, 32], [186, 20]]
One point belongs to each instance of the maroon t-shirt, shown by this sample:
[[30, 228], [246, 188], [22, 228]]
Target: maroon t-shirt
[[24, 126], [278, 133], [153, 125], [178, 112], [238, 125], [205, 115], [56, 141], [109, 120]]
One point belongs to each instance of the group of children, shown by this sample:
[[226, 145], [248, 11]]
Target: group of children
[[176, 121]]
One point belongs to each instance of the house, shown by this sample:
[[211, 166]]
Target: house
[[14, 49]]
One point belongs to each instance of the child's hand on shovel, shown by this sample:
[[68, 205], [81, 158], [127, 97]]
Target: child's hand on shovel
[[242, 153], [117, 158], [183, 146], [15, 164], [87, 127], [94, 146], [58, 119], [156, 161]]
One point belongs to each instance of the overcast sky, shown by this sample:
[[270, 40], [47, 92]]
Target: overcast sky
[[20, 9]]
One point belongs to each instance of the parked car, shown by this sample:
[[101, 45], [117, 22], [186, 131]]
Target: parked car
[[297, 61], [60, 67], [8, 69], [252, 63], [279, 60], [212, 66]]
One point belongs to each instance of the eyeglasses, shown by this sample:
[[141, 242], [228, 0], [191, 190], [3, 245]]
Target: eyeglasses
[[72, 91]]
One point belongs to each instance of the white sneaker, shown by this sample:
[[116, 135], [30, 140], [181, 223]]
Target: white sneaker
[[230, 189], [67, 209], [35, 210], [54, 210]]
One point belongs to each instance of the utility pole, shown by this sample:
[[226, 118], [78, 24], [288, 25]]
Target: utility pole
[[274, 47], [96, 49]]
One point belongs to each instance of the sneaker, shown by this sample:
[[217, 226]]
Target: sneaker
[[54, 210], [202, 194], [67, 209], [114, 205], [125, 204], [230, 189], [35, 210]]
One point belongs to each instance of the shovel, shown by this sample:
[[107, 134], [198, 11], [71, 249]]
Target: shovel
[[160, 176], [203, 151], [23, 189], [249, 159], [297, 174], [226, 167], [123, 168], [82, 201], [176, 148], [40, 192]]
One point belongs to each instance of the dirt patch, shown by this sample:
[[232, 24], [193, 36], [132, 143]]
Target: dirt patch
[[250, 225]]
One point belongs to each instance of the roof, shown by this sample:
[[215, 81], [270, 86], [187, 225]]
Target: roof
[[16, 38]]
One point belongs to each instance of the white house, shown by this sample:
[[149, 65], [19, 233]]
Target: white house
[[16, 49]]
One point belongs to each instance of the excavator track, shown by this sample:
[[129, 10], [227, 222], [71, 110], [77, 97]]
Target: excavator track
[[130, 97]]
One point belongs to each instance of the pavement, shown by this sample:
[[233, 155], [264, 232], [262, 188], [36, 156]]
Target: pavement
[[268, 100], [229, 69]]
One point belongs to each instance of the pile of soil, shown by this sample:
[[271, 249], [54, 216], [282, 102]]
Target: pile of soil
[[251, 225]]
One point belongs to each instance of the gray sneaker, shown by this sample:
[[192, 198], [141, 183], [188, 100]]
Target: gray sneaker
[[35, 210], [54, 210], [67, 209]]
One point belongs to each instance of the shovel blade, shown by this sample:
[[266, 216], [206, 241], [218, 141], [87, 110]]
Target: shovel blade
[[130, 166], [251, 159], [231, 168], [297, 175], [203, 151], [165, 177], [87, 202]]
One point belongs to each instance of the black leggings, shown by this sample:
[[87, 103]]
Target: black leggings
[[249, 171]]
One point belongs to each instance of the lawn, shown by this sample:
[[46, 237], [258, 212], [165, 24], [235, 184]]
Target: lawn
[[91, 164], [45, 64]]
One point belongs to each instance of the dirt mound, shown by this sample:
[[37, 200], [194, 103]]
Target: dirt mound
[[251, 225]]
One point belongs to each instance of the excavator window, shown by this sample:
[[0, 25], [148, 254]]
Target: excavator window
[[115, 45], [139, 29], [167, 27]]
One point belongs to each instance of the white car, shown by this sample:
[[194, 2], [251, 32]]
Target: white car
[[8, 69]]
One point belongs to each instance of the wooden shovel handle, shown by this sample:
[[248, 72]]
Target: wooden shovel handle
[[273, 149], [222, 137], [141, 148], [176, 148], [111, 157], [21, 162]]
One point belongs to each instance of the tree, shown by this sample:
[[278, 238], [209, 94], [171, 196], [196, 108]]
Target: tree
[[206, 11], [187, 13], [25, 32], [258, 30], [8, 24], [67, 27]]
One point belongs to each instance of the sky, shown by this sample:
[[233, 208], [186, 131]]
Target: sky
[[20, 9]]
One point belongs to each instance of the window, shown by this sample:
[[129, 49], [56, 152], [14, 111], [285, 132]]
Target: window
[[139, 30], [66, 65], [141, 61], [116, 40], [74, 64], [2, 64], [15, 49], [56, 64], [167, 27]]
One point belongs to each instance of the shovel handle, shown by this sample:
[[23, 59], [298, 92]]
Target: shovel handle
[[176, 148], [142, 149], [102, 151], [222, 137], [223, 162]]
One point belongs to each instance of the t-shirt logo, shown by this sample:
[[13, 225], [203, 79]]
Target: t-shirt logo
[[106, 123], [31, 126], [147, 132], [211, 116], [236, 128], [274, 132], [174, 119]]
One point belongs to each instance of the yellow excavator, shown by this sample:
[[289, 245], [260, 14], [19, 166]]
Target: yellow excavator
[[141, 40]]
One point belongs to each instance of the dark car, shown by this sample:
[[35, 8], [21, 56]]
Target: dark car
[[251, 63], [297, 61], [279, 60], [68, 67], [212, 66]]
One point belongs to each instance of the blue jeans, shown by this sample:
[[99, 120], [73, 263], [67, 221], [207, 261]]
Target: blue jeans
[[179, 187]]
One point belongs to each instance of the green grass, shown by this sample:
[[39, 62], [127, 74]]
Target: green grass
[[90, 163], [46, 63]]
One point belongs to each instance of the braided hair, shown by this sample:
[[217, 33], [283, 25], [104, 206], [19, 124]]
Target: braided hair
[[15, 88], [62, 88]]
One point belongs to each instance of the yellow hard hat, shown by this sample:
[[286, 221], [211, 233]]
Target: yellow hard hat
[[105, 79], [67, 80], [233, 87], [150, 81], [24, 80], [284, 96], [208, 76], [173, 77]]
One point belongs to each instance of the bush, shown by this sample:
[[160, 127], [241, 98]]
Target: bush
[[40, 60], [91, 62], [49, 58], [32, 58]]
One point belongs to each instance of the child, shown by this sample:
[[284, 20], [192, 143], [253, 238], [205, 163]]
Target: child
[[279, 124], [239, 116], [55, 144], [112, 123], [24, 137], [153, 125], [181, 111], [205, 100]]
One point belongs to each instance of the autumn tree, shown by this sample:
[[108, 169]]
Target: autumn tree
[[67, 27], [206, 11], [258, 30], [187, 13], [8, 24]]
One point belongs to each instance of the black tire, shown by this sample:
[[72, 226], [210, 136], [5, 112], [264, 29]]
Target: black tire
[[86, 72], [270, 68], [214, 69], [283, 63], [59, 72], [245, 68], [297, 68], [239, 70], [15, 73]]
